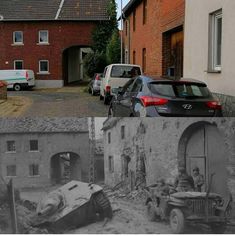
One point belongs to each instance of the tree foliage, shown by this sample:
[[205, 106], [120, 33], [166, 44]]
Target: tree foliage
[[102, 36], [113, 53]]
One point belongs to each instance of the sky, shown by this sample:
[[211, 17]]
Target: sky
[[124, 2]]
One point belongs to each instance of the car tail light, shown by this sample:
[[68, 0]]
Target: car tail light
[[214, 105], [108, 89], [153, 101], [27, 75], [97, 77]]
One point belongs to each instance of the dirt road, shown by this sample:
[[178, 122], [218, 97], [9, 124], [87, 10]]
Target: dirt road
[[129, 218]]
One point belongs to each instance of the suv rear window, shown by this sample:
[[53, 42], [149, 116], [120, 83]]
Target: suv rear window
[[125, 71], [181, 90]]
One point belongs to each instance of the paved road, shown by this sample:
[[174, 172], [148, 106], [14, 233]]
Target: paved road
[[65, 102]]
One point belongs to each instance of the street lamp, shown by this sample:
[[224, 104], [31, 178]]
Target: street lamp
[[121, 34]]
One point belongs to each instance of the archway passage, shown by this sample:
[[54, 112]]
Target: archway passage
[[202, 146], [65, 167], [73, 64]]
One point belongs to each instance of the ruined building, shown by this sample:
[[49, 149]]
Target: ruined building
[[142, 151], [41, 152]]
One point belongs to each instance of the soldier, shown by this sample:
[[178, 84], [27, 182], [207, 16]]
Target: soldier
[[184, 182], [198, 179]]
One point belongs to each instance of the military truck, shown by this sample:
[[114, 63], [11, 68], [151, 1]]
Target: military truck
[[70, 206]]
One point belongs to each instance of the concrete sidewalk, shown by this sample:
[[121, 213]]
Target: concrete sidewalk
[[14, 106]]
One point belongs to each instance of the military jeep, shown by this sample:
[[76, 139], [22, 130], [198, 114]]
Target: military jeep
[[182, 208]]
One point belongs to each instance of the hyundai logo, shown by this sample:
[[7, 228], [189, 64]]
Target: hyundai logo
[[187, 107]]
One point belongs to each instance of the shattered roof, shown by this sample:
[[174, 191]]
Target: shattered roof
[[38, 10], [109, 123], [43, 125]]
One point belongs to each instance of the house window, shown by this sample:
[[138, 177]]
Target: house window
[[18, 37], [11, 147], [122, 132], [33, 145], [44, 66], [34, 170], [11, 171], [111, 164], [144, 59], [144, 12], [215, 41], [109, 137], [43, 37], [134, 57], [18, 65], [134, 19]]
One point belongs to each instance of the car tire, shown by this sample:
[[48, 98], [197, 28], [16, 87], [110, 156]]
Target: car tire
[[111, 112], [218, 228], [17, 87], [92, 92], [106, 100], [177, 221], [103, 206], [151, 213]]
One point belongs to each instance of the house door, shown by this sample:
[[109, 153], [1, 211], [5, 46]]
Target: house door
[[206, 150]]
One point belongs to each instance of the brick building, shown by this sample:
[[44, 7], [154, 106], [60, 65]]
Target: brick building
[[146, 150], [50, 37], [153, 36], [41, 152]]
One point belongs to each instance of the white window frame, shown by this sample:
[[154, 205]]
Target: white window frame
[[18, 61], [39, 67], [47, 42], [9, 151], [213, 41], [18, 43]]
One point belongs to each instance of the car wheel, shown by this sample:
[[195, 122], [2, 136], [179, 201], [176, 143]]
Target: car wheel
[[17, 87], [111, 112], [103, 206], [92, 92], [106, 100], [177, 221], [101, 97], [218, 228], [151, 213]]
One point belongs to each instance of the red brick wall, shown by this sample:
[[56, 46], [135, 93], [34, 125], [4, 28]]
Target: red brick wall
[[62, 35], [162, 15]]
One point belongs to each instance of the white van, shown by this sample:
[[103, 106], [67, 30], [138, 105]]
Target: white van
[[115, 76], [18, 79]]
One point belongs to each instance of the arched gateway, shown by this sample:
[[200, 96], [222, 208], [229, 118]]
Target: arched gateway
[[202, 146], [65, 167]]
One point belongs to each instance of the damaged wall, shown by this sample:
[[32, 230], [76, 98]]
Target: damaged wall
[[159, 142], [49, 144]]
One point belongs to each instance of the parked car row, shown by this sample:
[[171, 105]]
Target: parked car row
[[131, 94]]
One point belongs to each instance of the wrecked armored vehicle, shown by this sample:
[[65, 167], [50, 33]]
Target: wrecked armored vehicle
[[182, 208], [72, 205]]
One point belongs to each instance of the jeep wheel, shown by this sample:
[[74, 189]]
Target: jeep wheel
[[17, 87], [177, 221], [103, 206], [218, 228], [151, 214]]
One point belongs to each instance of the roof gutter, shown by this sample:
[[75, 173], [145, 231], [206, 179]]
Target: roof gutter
[[59, 10]]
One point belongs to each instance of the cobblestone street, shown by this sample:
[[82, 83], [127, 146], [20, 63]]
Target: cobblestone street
[[64, 102]]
